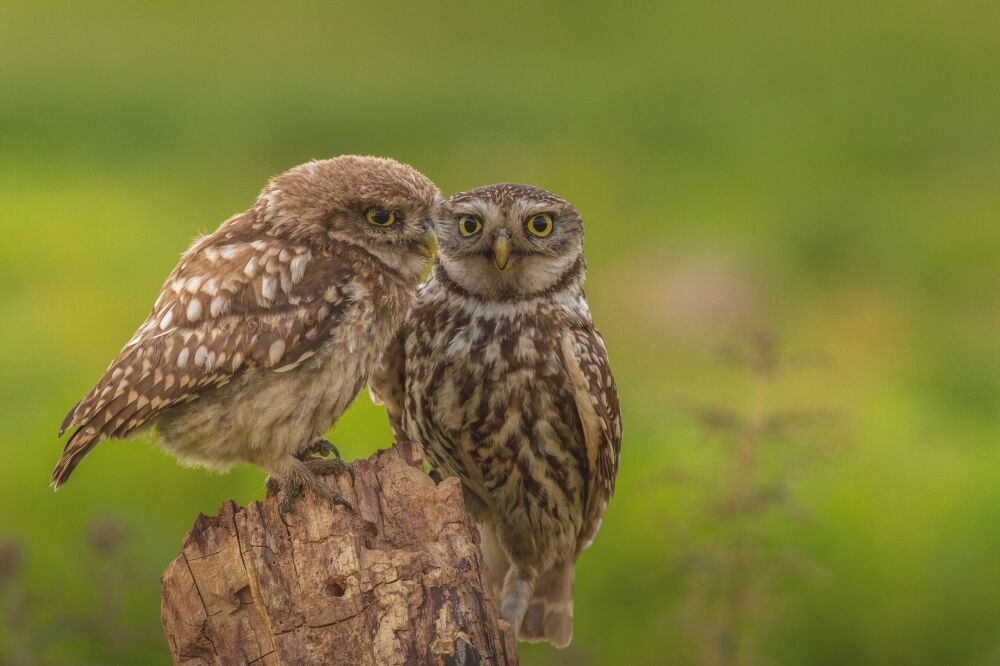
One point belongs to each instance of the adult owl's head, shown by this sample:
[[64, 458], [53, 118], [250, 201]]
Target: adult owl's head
[[504, 241], [377, 203]]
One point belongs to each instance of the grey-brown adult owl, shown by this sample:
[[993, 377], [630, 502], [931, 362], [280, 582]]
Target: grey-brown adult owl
[[267, 328], [501, 375]]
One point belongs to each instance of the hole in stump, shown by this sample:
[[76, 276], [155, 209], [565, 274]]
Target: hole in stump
[[336, 587], [245, 595], [370, 535]]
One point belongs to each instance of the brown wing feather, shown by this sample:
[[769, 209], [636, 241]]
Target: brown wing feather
[[596, 397], [230, 304]]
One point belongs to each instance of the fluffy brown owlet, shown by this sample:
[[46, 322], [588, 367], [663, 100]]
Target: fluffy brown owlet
[[267, 328], [501, 375]]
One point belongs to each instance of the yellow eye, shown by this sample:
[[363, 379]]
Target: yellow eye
[[540, 225], [381, 217], [469, 225]]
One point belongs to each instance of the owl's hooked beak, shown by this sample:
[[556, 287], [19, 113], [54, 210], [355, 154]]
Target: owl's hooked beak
[[430, 243], [501, 251]]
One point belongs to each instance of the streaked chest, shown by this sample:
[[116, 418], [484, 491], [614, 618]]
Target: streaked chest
[[485, 384]]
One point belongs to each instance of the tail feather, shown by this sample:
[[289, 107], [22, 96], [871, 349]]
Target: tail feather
[[68, 421], [550, 613], [79, 445]]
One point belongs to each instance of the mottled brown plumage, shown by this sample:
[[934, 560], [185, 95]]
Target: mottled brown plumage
[[502, 376], [267, 328]]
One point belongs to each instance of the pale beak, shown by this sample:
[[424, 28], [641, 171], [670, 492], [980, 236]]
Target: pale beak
[[501, 251], [430, 243]]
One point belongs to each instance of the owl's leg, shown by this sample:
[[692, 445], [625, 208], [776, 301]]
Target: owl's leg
[[295, 476], [518, 586]]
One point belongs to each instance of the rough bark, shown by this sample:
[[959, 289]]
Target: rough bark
[[401, 581]]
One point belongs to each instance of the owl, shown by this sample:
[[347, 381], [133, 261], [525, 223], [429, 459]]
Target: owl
[[501, 375], [267, 328]]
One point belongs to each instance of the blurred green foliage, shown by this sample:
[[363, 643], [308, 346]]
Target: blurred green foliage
[[829, 170]]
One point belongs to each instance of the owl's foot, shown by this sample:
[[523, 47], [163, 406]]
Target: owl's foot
[[306, 475], [324, 466], [322, 447], [316, 461]]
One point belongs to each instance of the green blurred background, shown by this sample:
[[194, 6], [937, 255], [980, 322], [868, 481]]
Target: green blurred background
[[826, 171]]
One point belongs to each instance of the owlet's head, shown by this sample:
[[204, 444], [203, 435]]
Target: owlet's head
[[504, 241], [377, 203]]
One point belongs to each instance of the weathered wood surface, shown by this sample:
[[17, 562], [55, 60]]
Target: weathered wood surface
[[401, 581]]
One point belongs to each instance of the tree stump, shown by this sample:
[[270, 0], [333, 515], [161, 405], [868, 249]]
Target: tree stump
[[401, 581]]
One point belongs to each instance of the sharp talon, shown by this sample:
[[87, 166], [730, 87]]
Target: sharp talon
[[335, 497], [321, 466], [305, 474], [288, 493], [284, 508]]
